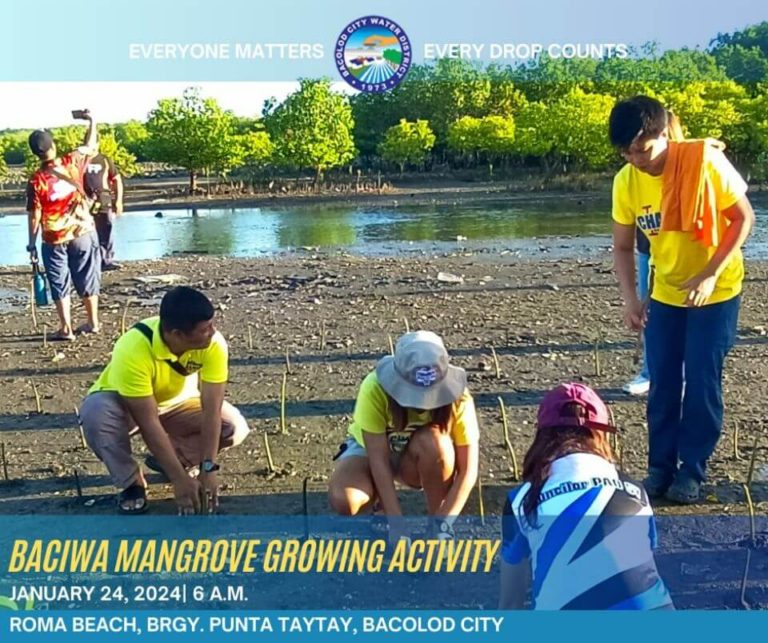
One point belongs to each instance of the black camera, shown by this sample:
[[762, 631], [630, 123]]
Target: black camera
[[80, 113]]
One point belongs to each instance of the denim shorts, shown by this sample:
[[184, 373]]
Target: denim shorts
[[77, 263]]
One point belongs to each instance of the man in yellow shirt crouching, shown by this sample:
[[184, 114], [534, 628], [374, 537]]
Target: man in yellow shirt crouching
[[150, 386]]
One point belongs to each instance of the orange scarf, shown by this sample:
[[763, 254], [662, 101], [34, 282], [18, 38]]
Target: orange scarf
[[688, 202]]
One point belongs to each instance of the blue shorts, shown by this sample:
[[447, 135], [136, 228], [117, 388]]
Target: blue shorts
[[76, 262]]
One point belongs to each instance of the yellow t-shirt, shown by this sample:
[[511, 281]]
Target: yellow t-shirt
[[372, 415], [138, 369], [676, 256]]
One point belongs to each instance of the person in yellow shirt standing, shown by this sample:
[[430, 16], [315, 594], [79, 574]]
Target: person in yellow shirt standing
[[150, 386], [691, 204], [414, 422]]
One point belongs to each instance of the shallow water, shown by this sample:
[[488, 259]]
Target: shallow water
[[381, 230]]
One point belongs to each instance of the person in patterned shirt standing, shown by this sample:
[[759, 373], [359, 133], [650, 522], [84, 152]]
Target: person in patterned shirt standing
[[58, 207]]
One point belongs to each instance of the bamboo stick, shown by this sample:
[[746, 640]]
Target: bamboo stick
[[496, 362], [5, 461], [745, 575], [507, 441], [283, 427], [124, 316], [38, 403], [32, 304], [752, 460], [270, 462], [596, 357], [83, 443], [480, 498]]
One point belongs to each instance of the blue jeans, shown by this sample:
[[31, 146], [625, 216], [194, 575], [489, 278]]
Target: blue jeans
[[696, 341], [643, 278]]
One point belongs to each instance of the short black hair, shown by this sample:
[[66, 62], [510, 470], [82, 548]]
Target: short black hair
[[183, 308], [630, 116]]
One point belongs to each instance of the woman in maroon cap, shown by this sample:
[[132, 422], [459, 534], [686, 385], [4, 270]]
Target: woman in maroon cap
[[415, 423], [578, 534]]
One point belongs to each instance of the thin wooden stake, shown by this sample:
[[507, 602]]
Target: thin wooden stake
[[480, 498], [38, 404], [78, 486], [305, 507], [124, 316], [287, 361], [496, 363], [32, 305], [750, 545], [736, 454], [752, 460], [270, 463], [45, 336], [83, 443], [283, 427], [391, 345], [250, 338], [5, 462], [507, 441], [407, 327], [322, 336], [598, 369]]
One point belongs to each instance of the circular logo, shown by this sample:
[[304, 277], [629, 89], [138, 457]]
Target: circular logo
[[373, 54]]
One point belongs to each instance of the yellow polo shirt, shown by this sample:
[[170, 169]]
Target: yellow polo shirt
[[138, 369], [676, 256], [372, 415]]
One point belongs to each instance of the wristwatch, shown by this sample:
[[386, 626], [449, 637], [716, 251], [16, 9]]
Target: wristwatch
[[209, 466], [31, 247]]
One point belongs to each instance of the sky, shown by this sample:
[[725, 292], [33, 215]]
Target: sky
[[115, 102], [33, 94]]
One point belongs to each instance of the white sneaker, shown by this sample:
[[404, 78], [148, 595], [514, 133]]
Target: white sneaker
[[638, 386]]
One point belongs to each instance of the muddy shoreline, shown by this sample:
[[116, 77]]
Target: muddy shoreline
[[142, 194], [333, 314]]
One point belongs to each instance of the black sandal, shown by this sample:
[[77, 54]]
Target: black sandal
[[132, 494]]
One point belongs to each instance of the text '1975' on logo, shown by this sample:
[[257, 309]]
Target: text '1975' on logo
[[373, 54]]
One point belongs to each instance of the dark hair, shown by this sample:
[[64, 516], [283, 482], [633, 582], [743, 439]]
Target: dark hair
[[183, 308], [443, 417], [552, 443], [630, 116]]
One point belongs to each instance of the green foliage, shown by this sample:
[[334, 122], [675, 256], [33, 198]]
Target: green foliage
[[3, 165], [530, 124], [576, 126], [194, 133], [407, 143], [15, 144], [463, 135], [133, 136], [256, 149], [122, 158], [313, 128], [492, 136]]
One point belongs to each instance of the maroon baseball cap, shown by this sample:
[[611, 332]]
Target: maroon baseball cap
[[554, 413]]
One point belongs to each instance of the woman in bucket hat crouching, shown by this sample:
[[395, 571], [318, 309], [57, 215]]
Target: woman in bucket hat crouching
[[415, 423], [578, 534]]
